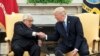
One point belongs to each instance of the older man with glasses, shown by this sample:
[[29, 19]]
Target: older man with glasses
[[25, 37]]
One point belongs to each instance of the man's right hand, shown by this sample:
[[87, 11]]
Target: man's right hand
[[41, 35]]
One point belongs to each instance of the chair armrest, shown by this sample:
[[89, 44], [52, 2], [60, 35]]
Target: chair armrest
[[97, 39], [94, 43], [9, 43], [7, 39]]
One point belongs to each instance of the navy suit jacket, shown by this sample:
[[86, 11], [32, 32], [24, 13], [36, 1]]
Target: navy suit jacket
[[23, 35], [73, 37]]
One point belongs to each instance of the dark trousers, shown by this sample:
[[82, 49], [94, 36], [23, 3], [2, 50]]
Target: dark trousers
[[61, 49], [60, 53], [83, 50], [33, 49]]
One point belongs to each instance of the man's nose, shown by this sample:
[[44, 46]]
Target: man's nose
[[31, 22]]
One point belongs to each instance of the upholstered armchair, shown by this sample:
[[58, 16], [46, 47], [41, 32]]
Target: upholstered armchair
[[90, 23]]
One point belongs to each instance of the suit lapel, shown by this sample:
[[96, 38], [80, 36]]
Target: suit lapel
[[68, 24], [61, 27]]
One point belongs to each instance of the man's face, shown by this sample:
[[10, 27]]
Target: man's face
[[29, 22], [59, 16]]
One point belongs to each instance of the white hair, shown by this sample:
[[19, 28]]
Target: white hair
[[27, 16], [59, 9]]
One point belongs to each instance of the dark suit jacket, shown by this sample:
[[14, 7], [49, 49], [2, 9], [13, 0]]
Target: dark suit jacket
[[23, 35], [74, 34]]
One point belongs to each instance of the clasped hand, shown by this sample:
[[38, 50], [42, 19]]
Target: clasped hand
[[41, 35]]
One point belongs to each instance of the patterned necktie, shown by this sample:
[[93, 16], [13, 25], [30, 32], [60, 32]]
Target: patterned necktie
[[65, 25]]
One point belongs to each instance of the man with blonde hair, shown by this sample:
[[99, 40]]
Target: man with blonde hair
[[69, 29]]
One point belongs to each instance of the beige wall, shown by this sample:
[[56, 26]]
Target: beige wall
[[42, 13]]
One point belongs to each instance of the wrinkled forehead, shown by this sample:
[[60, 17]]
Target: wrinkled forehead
[[30, 18]]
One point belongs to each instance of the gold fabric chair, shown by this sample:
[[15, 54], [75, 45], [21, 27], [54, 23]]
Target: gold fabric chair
[[10, 21], [90, 23]]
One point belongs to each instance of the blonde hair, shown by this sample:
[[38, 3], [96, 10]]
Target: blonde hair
[[59, 9]]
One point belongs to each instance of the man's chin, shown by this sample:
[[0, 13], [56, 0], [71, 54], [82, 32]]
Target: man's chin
[[60, 21], [29, 26]]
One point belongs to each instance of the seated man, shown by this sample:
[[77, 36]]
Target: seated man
[[69, 28], [25, 37]]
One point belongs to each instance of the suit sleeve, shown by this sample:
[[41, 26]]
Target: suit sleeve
[[19, 30], [79, 32], [55, 36]]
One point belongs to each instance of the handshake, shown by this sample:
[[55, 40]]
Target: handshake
[[41, 35]]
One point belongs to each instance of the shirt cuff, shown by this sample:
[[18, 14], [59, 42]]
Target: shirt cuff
[[46, 37], [76, 49], [33, 33]]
